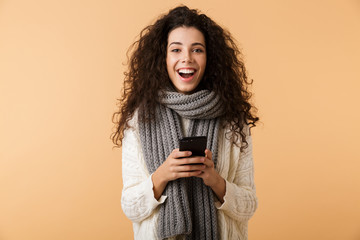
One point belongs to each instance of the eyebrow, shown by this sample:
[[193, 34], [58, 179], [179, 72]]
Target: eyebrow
[[194, 44]]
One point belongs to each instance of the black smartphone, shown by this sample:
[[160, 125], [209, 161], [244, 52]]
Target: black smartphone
[[196, 145]]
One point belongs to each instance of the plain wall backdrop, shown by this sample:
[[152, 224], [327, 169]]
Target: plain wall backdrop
[[61, 71]]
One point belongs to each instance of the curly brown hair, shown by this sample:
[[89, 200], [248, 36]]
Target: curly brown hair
[[225, 72]]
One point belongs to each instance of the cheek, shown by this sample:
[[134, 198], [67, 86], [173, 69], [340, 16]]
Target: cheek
[[202, 62], [203, 67], [169, 63]]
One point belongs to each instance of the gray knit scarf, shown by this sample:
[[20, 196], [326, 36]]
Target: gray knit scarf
[[189, 208]]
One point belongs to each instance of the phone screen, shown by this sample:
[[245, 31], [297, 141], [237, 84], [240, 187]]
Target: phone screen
[[196, 145]]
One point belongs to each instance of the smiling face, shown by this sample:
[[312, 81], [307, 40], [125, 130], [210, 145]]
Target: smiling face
[[186, 58]]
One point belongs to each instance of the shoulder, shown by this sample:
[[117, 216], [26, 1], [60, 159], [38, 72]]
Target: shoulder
[[131, 132], [132, 124]]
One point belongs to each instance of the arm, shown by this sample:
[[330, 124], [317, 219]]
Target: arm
[[137, 199], [240, 201], [142, 193], [212, 178]]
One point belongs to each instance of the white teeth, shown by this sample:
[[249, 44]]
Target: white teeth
[[186, 71]]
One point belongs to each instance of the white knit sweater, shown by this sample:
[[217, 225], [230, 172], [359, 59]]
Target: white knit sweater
[[140, 206]]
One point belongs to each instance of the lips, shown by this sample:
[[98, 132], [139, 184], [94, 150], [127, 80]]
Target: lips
[[186, 74]]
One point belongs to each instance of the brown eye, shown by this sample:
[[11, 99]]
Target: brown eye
[[198, 50]]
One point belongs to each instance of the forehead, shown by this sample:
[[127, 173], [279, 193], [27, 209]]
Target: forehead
[[186, 35]]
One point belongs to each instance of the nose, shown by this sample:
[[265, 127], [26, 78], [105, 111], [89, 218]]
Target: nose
[[187, 57]]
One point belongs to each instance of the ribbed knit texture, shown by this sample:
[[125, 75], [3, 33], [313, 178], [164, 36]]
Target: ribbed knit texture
[[190, 208]]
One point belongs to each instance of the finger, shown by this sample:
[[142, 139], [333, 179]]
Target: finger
[[189, 168], [192, 160], [208, 154], [188, 174], [180, 154], [208, 162]]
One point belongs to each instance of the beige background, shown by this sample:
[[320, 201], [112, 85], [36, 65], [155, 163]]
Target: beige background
[[61, 72]]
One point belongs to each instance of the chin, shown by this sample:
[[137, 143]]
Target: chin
[[184, 91], [187, 90]]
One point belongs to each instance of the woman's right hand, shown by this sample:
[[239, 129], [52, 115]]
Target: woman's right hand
[[179, 164]]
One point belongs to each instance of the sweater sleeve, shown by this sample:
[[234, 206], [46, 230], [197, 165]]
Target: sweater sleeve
[[240, 201], [137, 199]]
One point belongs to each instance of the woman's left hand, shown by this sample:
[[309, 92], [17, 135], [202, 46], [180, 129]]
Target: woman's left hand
[[212, 178]]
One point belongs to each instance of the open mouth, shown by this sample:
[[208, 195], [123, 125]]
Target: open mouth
[[186, 73]]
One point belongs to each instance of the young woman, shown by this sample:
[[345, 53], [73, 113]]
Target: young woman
[[186, 78]]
